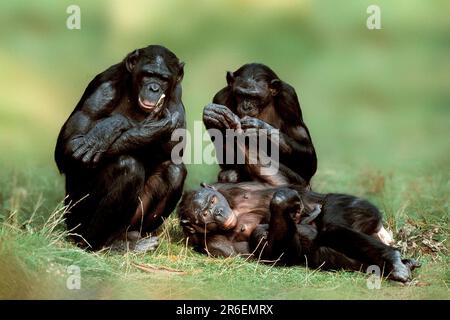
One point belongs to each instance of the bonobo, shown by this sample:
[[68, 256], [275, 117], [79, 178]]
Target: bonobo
[[255, 98], [115, 148], [290, 225]]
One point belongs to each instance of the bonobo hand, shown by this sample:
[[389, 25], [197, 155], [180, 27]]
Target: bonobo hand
[[90, 147], [176, 120], [168, 122], [220, 117], [254, 123]]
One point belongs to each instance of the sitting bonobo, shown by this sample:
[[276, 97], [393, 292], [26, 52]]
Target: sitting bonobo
[[256, 98], [115, 151], [290, 225]]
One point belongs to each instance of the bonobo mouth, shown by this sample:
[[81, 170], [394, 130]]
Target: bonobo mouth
[[250, 112], [151, 106], [230, 222]]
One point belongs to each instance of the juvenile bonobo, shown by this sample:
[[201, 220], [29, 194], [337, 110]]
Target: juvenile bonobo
[[255, 98], [290, 225], [115, 148]]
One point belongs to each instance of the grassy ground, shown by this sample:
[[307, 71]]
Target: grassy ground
[[376, 103], [34, 255]]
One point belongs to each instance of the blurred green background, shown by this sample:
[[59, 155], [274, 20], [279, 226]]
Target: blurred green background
[[377, 98], [377, 103]]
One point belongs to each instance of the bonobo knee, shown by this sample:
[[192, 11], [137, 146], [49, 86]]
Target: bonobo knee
[[176, 175], [130, 166], [284, 198]]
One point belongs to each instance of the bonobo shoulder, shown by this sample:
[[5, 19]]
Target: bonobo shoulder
[[101, 98], [298, 132]]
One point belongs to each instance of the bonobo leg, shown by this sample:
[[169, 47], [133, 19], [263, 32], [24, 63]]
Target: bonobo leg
[[330, 259], [159, 196], [366, 249], [282, 241], [111, 196]]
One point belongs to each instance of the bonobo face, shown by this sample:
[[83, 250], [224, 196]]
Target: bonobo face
[[252, 93], [211, 211], [154, 78]]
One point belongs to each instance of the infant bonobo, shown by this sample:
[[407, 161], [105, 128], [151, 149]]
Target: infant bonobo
[[291, 226]]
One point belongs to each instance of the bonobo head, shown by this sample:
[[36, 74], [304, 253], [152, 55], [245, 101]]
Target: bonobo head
[[206, 210], [155, 72], [254, 87]]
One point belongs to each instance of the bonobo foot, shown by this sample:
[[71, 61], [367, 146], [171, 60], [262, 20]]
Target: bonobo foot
[[133, 242], [411, 263], [401, 269], [228, 176]]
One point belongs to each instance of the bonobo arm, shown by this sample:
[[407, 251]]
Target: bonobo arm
[[279, 241], [91, 128], [220, 117], [273, 172], [89, 146], [147, 132], [295, 145]]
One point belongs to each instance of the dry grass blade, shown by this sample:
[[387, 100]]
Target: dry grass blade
[[157, 269]]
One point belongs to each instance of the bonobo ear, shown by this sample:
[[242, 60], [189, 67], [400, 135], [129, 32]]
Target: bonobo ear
[[131, 59], [208, 186], [230, 78], [180, 71], [275, 86]]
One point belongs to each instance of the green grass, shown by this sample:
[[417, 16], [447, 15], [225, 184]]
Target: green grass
[[376, 103], [34, 255]]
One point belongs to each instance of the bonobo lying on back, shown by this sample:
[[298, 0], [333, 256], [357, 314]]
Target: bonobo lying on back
[[290, 225], [115, 150]]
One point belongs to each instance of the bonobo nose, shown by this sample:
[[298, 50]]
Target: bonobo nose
[[246, 106], [154, 87]]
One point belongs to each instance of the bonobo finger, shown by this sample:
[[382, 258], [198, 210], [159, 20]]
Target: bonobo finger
[[80, 151], [411, 263], [76, 143], [214, 106], [97, 157], [246, 122], [249, 122], [88, 156], [218, 117], [221, 109], [232, 120], [212, 122], [251, 132]]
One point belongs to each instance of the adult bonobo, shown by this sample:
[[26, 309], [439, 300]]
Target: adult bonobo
[[115, 149], [291, 226], [255, 98]]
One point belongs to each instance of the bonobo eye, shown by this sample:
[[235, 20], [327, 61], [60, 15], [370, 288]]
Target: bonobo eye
[[213, 200], [205, 213]]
